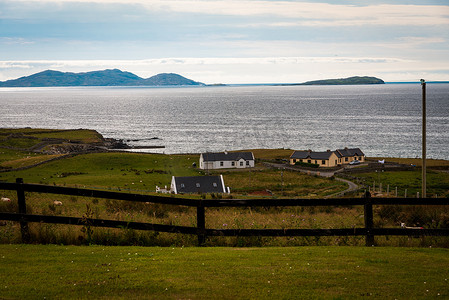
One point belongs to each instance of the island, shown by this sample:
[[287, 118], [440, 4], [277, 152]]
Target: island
[[111, 77], [342, 81]]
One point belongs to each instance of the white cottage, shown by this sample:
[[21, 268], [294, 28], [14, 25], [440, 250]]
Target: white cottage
[[226, 160], [198, 184]]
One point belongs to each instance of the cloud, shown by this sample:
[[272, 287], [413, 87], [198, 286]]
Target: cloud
[[15, 41], [61, 64], [416, 40], [289, 13]]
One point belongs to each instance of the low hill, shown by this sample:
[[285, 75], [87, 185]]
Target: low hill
[[346, 81], [112, 77]]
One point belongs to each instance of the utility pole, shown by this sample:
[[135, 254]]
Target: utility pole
[[282, 179], [423, 84]]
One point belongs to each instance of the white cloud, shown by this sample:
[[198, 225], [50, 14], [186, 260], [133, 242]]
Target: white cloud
[[299, 13], [58, 64], [15, 41], [417, 40]]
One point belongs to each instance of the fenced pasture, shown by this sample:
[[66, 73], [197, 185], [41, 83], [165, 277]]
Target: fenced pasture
[[347, 221]]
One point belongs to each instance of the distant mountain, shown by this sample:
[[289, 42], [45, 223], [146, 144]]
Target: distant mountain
[[346, 81], [113, 77]]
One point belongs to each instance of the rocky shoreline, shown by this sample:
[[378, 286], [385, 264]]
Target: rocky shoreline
[[62, 146]]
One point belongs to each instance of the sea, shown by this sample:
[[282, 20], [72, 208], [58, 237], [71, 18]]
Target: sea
[[382, 120]]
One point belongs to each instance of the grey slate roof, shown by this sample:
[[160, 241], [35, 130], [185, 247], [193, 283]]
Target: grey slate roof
[[227, 156], [311, 154], [199, 184], [350, 152]]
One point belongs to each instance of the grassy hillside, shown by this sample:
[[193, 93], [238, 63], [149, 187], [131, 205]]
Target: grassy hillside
[[26, 147], [37, 135], [71, 272], [109, 170], [140, 173]]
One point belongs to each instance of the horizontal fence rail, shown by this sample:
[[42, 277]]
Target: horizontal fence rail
[[200, 230]]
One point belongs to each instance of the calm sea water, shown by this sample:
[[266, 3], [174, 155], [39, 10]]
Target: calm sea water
[[383, 120]]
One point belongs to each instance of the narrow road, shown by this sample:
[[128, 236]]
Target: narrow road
[[351, 185], [292, 168]]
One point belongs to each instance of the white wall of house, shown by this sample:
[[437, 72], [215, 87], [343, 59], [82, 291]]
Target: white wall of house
[[239, 164], [173, 185]]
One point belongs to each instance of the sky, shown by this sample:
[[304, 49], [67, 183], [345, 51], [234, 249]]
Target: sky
[[231, 42]]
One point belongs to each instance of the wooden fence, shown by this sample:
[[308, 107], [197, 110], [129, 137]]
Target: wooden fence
[[369, 231]]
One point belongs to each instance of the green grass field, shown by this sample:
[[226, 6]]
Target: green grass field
[[97, 272], [31, 136], [140, 173], [437, 182], [109, 170]]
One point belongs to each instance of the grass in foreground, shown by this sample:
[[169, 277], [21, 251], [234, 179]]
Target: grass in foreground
[[71, 272]]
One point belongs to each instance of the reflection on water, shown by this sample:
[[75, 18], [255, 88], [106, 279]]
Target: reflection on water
[[383, 120]]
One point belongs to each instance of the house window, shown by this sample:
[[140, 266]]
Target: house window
[[323, 162], [221, 164], [214, 184], [300, 160], [316, 162], [233, 164], [182, 185], [241, 164], [197, 185], [309, 161], [335, 162], [346, 159], [247, 162]]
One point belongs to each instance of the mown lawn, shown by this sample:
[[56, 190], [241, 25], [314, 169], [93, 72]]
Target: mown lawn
[[92, 272]]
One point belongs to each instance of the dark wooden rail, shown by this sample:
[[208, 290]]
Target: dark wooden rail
[[201, 231]]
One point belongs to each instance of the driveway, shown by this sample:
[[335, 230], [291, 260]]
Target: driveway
[[325, 173]]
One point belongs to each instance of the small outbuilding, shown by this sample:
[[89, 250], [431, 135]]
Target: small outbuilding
[[198, 184]]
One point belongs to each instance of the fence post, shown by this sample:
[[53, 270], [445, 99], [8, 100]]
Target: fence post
[[368, 213], [201, 224], [22, 210]]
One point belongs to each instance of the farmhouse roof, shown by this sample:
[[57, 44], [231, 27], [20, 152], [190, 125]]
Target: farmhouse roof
[[199, 184], [311, 154], [349, 152], [227, 156]]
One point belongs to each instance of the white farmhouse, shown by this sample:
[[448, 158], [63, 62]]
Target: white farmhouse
[[198, 184], [226, 160]]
